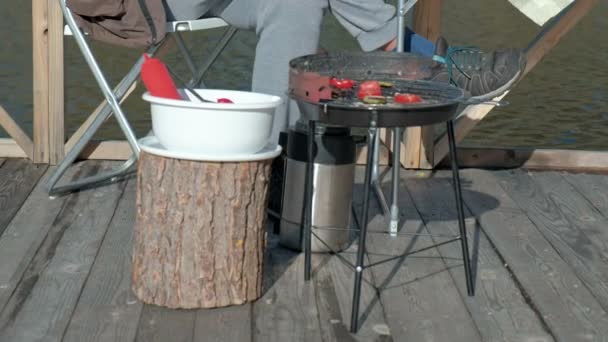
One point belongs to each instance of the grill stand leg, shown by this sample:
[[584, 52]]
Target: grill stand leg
[[308, 192], [459, 208], [354, 321]]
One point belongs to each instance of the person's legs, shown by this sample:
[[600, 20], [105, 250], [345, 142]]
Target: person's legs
[[286, 29], [484, 75]]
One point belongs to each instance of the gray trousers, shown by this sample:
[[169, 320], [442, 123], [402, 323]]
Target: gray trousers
[[287, 29]]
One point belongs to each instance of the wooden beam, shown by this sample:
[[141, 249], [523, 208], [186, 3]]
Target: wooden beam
[[530, 158], [14, 131], [107, 150], [56, 82], [419, 140], [41, 81], [10, 149], [556, 30], [540, 46]]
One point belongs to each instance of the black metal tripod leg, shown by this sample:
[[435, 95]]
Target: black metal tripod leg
[[354, 320], [309, 188], [459, 207]]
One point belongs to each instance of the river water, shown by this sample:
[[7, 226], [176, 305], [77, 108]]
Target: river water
[[562, 103]]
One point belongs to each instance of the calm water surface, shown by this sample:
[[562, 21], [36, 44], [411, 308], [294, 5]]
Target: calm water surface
[[562, 103]]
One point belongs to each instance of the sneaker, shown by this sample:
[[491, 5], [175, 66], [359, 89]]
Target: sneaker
[[484, 75]]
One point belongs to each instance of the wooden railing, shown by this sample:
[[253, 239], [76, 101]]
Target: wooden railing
[[420, 149]]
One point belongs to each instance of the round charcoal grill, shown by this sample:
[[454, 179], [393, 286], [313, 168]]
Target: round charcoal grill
[[408, 73]]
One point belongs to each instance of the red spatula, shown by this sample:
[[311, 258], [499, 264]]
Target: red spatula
[[157, 79]]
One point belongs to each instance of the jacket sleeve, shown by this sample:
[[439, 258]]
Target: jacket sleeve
[[372, 22]]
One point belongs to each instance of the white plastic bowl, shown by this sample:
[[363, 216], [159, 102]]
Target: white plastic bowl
[[214, 128]]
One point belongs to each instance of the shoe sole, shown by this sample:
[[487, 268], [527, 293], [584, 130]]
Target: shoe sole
[[502, 89]]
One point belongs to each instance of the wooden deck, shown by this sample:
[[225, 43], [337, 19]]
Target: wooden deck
[[539, 243]]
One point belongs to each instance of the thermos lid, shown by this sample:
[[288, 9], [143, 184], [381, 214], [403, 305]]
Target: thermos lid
[[332, 145], [321, 129]]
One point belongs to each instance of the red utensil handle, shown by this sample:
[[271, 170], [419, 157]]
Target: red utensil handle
[[157, 79]]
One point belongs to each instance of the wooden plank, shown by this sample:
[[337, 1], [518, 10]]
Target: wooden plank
[[498, 308], [233, 323], [24, 238], [334, 284], [41, 81], [18, 177], [427, 147], [573, 227], [419, 140], [56, 106], [44, 303], [10, 149], [531, 158], [593, 187], [538, 48], [568, 308], [162, 324], [107, 309], [412, 137], [287, 311], [420, 300], [14, 131]]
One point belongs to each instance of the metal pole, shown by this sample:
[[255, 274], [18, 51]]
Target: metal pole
[[354, 319], [393, 226], [459, 208], [308, 193]]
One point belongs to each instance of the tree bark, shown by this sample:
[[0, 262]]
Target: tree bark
[[199, 232]]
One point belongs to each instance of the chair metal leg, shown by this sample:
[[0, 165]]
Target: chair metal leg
[[459, 207], [354, 321], [179, 40], [221, 45], [101, 117], [99, 77], [112, 106]]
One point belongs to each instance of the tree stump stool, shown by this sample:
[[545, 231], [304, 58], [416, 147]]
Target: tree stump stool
[[200, 231]]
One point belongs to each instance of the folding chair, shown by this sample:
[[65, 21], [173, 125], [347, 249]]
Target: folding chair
[[115, 97]]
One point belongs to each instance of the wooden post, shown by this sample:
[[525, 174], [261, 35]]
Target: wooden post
[[56, 98], [199, 232], [47, 51], [41, 80], [419, 140]]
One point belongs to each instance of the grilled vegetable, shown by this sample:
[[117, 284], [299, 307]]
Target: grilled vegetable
[[341, 83], [374, 99], [369, 88], [407, 98]]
